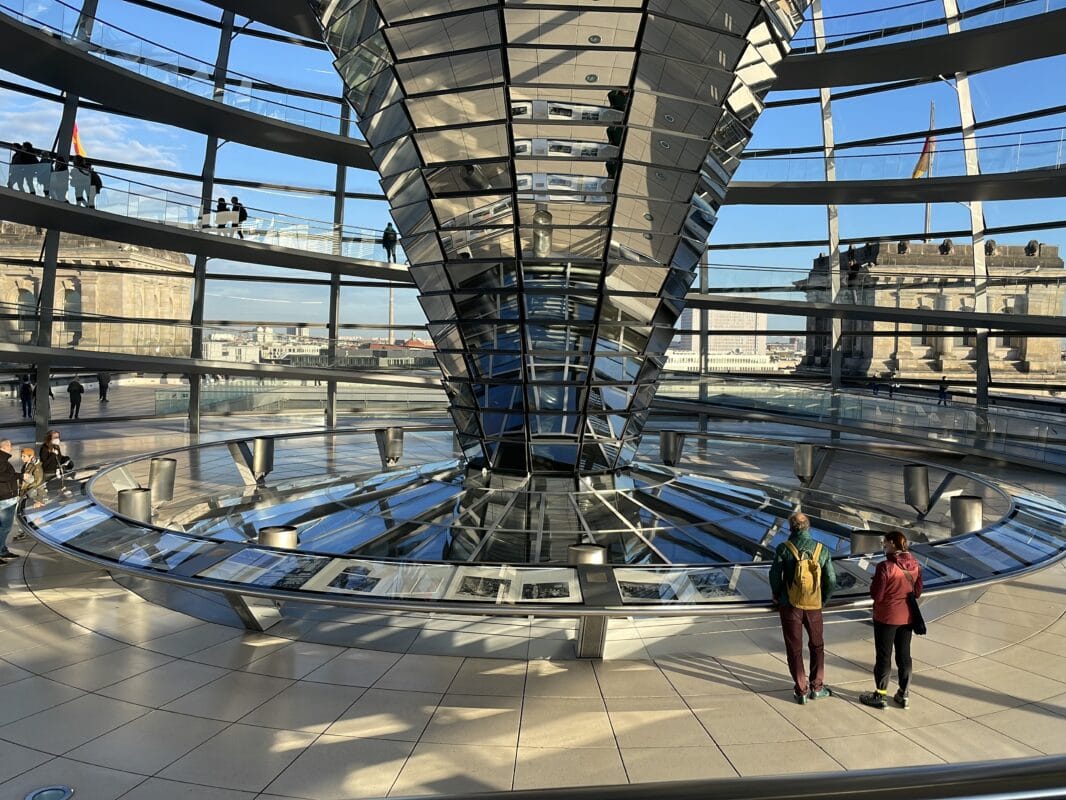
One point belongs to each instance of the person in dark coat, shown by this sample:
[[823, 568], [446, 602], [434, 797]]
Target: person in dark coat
[[103, 381], [75, 390], [53, 462], [9, 498], [388, 241], [242, 215], [220, 208], [895, 578], [26, 399]]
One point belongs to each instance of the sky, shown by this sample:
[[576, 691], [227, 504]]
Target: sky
[[1021, 88]]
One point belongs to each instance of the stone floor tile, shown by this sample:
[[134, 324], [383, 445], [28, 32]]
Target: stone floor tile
[[243, 757], [295, 661], [964, 739], [632, 679], [1034, 725], [490, 676], [777, 758], [699, 674], [15, 759], [91, 781], [839, 715], [742, 719], [304, 706], [149, 743], [159, 789], [95, 673], [653, 764], [421, 673], [543, 768], [652, 722], [354, 668], [565, 722], [561, 679], [230, 697], [474, 719], [881, 750], [384, 714], [436, 768], [341, 768], [159, 686]]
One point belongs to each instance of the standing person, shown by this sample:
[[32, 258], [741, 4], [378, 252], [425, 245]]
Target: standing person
[[23, 166], [79, 179], [388, 241], [75, 390], [942, 391], [9, 498], [220, 208], [895, 578], [103, 381], [96, 184], [53, 462], [802, 580], [26, 398], [242, 214], [32, 475]]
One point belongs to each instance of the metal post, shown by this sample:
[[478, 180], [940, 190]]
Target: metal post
[[262, 457], [865, 542], [916, 487], [671, 443], [333, 326], [803, 461], [207, 185], [136, 504], [281, 536], [591, 631], [161, 474], [390, 446], [836, 355], [967, 514]]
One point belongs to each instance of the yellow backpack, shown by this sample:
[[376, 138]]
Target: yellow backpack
[[805, 591]]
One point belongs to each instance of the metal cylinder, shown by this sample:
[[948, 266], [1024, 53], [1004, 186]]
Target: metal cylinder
[[279, 536], [390, 446], [136, 504], [262, 456], [803, 461], [916, 487], [542, 234], [671, 443], [967, 514], [161, 473], [865, 542], [586, 554]]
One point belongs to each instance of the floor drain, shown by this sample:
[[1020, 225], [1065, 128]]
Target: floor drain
[[51, 793]]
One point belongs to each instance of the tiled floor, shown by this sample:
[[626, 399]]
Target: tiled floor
[[102, 690], [168, 706]]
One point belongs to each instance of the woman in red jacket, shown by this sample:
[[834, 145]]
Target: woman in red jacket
[[896, 577]]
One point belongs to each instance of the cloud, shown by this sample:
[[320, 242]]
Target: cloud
[[104, 136]]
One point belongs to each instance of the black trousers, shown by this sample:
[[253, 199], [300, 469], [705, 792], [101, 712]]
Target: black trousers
[[886, 639], [75, 406]]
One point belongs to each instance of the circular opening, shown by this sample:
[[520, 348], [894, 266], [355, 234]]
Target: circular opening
[[665, 145], [649, 217], [590, 78], [51, 793], [594, 39], [668, 117]]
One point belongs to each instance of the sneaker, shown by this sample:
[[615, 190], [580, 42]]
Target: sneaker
[[801, 699], [901, 700], [7, 556], [825, 691], [873, 699]]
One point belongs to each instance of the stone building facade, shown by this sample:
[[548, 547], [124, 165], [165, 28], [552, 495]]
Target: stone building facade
[[1023, 279], [99, 281]]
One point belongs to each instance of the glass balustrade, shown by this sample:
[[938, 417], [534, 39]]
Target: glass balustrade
[[142, 201], [911, 21], [997, 154], [171, 68]]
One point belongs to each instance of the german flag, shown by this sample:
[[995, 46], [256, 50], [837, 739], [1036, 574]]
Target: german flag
[[925, 160], [75, 141]]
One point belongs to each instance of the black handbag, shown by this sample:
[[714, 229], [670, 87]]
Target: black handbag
[[917, 620]]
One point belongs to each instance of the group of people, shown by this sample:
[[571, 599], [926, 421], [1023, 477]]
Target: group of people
[[230, 214], [27, 394], [36, 469], [802, 580], [55, 174]]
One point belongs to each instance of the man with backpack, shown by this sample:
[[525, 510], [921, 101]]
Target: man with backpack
[[802, 580]]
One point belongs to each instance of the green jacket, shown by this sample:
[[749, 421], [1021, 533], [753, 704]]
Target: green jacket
[[783, 570]]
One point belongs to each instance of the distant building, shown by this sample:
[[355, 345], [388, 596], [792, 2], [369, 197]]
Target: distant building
[[1027, 279], [126, 281], [229, 350]]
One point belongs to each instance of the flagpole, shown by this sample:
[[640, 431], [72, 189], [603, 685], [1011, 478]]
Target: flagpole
[[929, 206]]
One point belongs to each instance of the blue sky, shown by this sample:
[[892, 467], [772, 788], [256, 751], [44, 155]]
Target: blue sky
[[1020, 88]]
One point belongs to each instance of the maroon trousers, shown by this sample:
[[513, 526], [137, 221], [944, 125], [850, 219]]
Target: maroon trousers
[[793, 623]]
